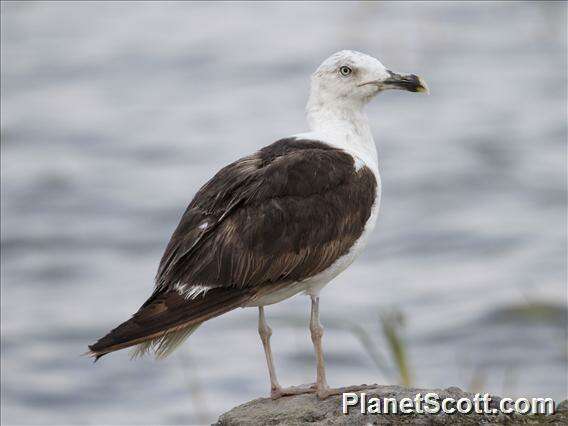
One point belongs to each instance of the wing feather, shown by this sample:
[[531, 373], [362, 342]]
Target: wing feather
[[283, 214]]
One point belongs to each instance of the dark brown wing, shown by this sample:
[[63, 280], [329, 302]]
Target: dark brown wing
[[283, 214], [279, 216]]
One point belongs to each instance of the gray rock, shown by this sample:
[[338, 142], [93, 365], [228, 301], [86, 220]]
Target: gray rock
[[307, 408]]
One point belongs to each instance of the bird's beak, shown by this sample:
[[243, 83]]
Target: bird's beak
[[409, 82]]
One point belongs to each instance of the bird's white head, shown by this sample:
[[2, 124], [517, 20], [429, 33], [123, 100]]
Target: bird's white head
[[350, 79]]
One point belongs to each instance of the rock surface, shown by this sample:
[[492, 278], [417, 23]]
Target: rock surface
[[308, 409]]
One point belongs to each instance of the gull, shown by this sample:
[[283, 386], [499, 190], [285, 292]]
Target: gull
[[285, 220]]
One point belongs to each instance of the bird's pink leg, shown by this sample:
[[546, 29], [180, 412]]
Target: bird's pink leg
[[276, 391], [265, 332], [316, 330], [322, 388]]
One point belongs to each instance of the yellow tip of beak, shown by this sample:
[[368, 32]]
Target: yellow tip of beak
[[423, 88]]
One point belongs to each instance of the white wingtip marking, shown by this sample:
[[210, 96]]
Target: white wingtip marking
[[191, 291]]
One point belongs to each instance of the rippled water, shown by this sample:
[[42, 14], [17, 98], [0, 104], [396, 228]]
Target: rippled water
[[114, 114]]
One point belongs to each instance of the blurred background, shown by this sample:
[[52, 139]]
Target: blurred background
[[114, 114]]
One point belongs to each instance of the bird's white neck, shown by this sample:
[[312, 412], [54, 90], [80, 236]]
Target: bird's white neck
[[345, 126]]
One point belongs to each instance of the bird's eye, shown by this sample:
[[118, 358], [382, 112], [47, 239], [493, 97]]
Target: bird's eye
[[345, 71]]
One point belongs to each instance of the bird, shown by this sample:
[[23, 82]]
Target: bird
[[284, 220]]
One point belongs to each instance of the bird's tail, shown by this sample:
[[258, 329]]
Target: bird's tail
[[166, 320]]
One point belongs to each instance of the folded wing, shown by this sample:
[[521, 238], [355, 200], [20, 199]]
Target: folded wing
[[279, 216]]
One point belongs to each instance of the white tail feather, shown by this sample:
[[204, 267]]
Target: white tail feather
[[165, 344]]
